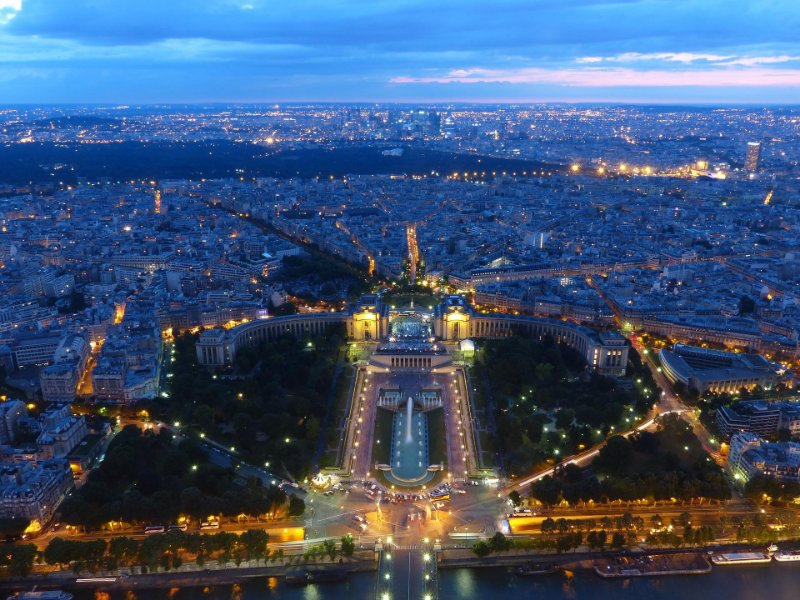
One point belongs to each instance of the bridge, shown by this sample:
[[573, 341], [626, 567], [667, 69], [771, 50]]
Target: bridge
[[407, 573]]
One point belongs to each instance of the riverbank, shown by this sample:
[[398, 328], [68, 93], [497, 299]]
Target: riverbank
[[192, 576], [621, 564], [670, 559]]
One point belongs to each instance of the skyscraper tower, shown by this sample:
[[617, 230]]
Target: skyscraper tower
[[753, 157], [157, 202]]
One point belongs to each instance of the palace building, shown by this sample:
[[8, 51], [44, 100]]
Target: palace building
[[452, 320]]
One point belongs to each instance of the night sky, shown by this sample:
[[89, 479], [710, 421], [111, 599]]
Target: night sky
[[148, 51]]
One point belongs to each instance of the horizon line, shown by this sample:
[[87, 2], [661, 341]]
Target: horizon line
[[687, 103]]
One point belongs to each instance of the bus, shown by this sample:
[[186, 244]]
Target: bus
[[153, 529], [440, 497]]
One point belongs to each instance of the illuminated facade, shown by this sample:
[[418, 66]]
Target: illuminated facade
[[369, 320], [753, 157], [715, 371], [606, 352], [452, 320], [218, 347]]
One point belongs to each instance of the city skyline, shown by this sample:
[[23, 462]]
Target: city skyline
[[226, 51], [419, 298]]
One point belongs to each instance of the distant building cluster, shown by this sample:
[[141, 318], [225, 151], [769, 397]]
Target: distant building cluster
[[622, 140], [94, 278]]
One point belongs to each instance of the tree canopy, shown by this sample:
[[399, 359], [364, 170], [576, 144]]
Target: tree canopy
[[146, 478], [669, 463]]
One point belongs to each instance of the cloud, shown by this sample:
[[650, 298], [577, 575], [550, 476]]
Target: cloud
[[616, 77], [679, 57], [689, 58], [606, 26], [750, 61], [9, 10], [346, 48]]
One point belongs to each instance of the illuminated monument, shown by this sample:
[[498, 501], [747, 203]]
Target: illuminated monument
[[410, 387], [452, 320], [407, 362]]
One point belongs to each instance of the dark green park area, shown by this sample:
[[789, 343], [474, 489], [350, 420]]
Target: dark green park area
[[270, 407], [124, 161], [668, 463], [548, 404], [150, 477], [320, 277]]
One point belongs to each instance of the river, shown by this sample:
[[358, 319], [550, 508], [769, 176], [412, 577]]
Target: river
[[747, 582]]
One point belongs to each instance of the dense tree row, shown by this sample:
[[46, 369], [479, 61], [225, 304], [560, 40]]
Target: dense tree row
[[168, 551], [563, 536], [146, 478], [165, 551], [763, 489], [669, 463]]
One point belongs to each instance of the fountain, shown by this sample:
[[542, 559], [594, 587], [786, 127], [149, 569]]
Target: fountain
[[409, 419], [409, 452]]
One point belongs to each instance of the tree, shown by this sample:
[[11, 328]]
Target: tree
[[254, 542], [615, 456], [499, 543], [329, 547], [481, 549], [564, 418], [547, 490], [617, 540], [594, 540], [204, 415], [515, 498], [688, 534], [18, 558], [122, 550], [296, 506], [548, 525], [656, 520], [348, 545], [58, 552]]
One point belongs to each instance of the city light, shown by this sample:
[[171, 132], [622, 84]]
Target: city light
[[374, 333]]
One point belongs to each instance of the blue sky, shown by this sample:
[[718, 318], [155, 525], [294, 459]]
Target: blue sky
[[153, 51]]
